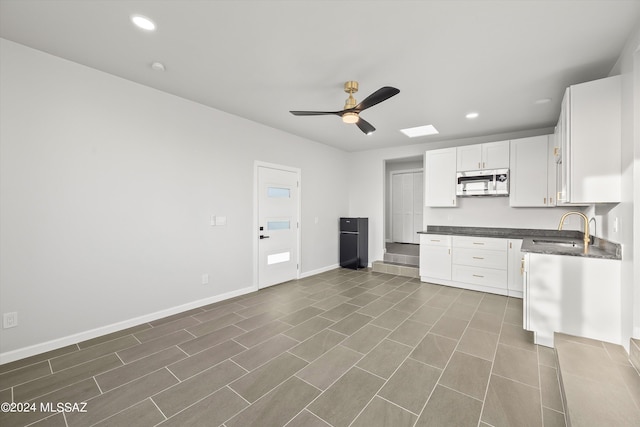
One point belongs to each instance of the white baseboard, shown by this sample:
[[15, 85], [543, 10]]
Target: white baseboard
[[319, 270], [33, 350]]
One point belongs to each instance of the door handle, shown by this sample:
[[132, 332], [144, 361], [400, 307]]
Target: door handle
[[263, 237]]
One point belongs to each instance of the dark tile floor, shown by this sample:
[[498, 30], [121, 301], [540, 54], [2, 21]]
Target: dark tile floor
[[342, 348]]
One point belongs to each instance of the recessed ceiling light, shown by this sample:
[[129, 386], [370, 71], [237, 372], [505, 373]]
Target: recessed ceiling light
[[542, 101], [158, 66], [420, 131], [143, 22], [472, 115]]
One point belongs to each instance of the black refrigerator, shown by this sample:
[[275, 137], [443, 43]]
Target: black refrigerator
[[354, 243]]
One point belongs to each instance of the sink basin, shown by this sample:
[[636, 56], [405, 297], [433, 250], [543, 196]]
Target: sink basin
[[563, 243]]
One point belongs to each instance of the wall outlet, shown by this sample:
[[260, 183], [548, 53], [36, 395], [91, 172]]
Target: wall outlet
[[10, 320], [205, 279]]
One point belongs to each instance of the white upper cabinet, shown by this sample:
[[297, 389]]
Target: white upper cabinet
[[589, 134], [492, 155], [495, 155], [440, 178], [469, 157], [529, 173]]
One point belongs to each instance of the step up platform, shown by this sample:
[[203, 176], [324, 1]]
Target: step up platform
[[398, 269], [599, 384]]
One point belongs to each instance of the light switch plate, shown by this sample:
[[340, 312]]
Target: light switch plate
[[10, 320]]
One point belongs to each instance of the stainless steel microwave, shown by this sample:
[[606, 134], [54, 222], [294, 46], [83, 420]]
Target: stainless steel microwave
[[489, 182]]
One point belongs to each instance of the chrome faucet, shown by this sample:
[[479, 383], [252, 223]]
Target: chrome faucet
[[587, 239]]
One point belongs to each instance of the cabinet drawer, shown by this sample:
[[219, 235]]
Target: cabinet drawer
[[480, 276], [435, 240], [480, 243], [480, 258]]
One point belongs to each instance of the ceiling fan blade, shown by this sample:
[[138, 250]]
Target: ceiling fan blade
[[377, 97], [365, 126], [315, 113]]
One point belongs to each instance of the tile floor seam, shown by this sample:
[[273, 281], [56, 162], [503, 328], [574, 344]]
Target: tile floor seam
[[134, 403], [95, 380], [460, 392], [335, 381], [540, 384], [248, 403], [551, 409], [33, 398], [493, 362], [307, 382], [393, 403], [160, 410], [236, 363], [194, 402], [301, 411], [370, 400], [437, 382]]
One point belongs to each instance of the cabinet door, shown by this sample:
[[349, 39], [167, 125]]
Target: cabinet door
[[515, 267], [595, 141], [435, 262], [562, 157], [551, 171], [435, 256], [528, 174], [495, 155], [469, 157], [440, 177]]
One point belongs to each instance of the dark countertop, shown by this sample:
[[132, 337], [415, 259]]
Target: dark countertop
[[533, 240]]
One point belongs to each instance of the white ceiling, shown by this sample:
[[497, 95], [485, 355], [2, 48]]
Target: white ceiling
[[260, 59]]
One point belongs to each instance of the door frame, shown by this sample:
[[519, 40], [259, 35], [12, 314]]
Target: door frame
[[256, 233], [391, 175]]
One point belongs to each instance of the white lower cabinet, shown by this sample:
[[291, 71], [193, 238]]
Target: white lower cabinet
[[476, 263], [435, 257], [480, 261], [572, 295]]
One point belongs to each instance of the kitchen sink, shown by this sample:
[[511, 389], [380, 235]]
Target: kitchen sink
[[563, 243]]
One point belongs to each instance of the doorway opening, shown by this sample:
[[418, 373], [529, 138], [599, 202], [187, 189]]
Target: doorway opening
[[404, 209]]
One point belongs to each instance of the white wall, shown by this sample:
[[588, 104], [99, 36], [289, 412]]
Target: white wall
[[107, 189]]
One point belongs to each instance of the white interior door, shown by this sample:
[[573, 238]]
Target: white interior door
[[407, 208], [278, 212], [396, 208], [418, 205], [407, 190]]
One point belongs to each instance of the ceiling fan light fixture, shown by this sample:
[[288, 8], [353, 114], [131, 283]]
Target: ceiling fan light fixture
[[350, 118]]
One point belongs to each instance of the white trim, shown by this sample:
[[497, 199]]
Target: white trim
[[319, 270], [257, 164], [57, 343]]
